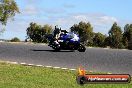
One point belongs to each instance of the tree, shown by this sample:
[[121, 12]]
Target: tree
[[99, 39], [115, 35], [85, 32], [127, 35], [15, 39], [35, 32], [107, 41], [8, 9]]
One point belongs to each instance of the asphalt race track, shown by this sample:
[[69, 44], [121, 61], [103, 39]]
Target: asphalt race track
[[95, 59]]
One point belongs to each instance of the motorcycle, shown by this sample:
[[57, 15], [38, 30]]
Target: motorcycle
[[67, 41]]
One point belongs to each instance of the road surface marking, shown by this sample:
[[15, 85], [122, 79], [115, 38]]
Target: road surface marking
[[48, 66], [13, 62], [72, 69], [56, 67], [64, 68], [30, 64], [39, 65]]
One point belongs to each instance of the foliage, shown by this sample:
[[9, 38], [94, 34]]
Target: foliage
[[8, 9], [127, 35], [115, 35], [128, 31], [36, 32], [85, 31], [15, 39], [99, 39], [107, 41]]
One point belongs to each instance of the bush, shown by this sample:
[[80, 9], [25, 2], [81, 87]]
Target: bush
[[15, 39]]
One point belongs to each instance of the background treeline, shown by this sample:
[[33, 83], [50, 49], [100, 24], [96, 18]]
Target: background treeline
[[36, 32], [116, 38]]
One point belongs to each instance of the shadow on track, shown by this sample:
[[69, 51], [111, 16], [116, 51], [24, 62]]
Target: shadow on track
[[52, 50]]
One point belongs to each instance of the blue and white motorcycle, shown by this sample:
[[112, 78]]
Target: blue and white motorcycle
[[67, 41]]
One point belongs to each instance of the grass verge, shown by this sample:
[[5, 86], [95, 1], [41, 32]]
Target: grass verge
[[18, 76]]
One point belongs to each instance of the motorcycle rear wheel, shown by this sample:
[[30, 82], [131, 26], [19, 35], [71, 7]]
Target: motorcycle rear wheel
[[81, 48], [57, 48]]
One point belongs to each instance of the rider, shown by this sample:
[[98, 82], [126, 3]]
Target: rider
[[57, 33]]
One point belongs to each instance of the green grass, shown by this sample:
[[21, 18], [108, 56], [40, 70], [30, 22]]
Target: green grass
[[18, 76]]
